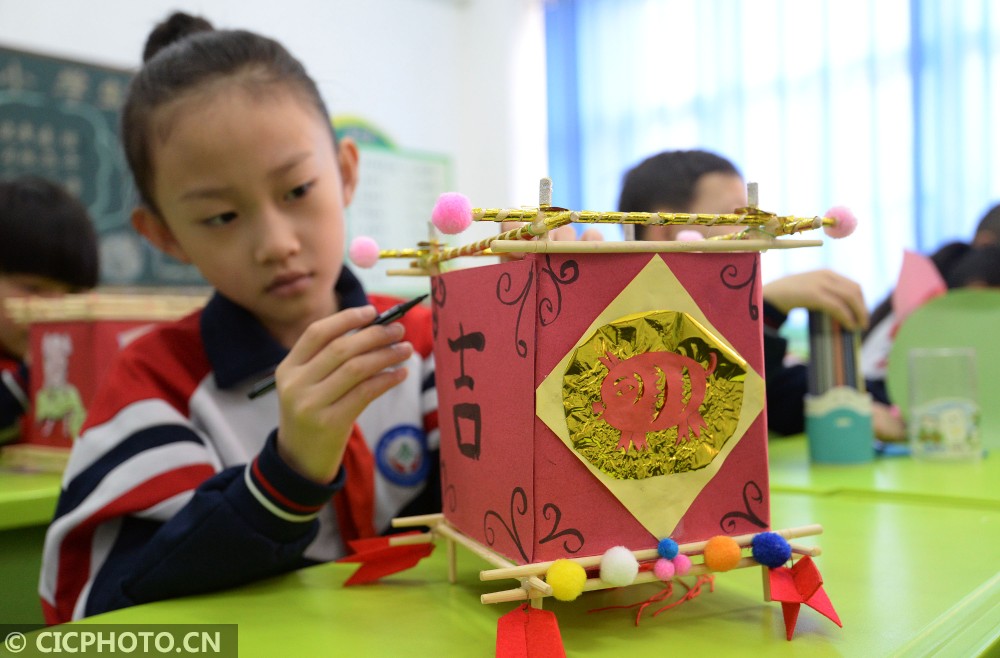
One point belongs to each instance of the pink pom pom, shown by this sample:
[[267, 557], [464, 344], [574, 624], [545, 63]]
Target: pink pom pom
[[664, 569], [363, 251], [844, 222], [682, 564], [452, 213], [690, 235]]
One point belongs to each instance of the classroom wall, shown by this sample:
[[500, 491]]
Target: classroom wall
[[464, 78]]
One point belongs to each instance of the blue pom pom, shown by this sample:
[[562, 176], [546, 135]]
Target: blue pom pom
[[667, 548], [770, 549]]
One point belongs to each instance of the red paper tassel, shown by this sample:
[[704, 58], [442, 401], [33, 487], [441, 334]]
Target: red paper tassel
[[527, 632]]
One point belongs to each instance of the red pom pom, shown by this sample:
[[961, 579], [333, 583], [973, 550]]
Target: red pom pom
[[844, 222], [452, 213], [363, 252]]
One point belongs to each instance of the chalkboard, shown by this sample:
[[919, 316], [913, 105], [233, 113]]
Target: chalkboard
[[59, 119]]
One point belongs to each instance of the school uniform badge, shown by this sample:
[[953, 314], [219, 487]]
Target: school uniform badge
[[401, 455]]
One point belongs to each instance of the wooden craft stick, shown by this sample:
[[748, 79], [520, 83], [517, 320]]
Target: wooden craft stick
[[539, 568], [811, 551], [450, 533], [412, 271], [765, 576], [452, 563], [447, 531], [504, 596], [552, 247], [594, 584], [409, 540], [429, 520]]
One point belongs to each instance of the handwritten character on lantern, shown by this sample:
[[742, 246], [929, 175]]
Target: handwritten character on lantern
[[468, 411]]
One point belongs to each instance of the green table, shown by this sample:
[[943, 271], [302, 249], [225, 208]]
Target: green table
[[907, 576], [960, 484], [27, 502]]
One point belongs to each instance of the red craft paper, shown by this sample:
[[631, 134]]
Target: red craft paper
[[379, 559], [490, 390], [798, 584], [521, 490], [919, 282], [527, 632]]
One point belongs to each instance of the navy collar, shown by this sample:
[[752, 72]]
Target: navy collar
[[237, 344]]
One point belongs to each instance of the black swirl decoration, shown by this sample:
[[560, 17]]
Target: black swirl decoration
[[752, 496], [549, 309], [556, 533], [569, 272], [505, 284], [730, 276], [521, 509], [438, 295]]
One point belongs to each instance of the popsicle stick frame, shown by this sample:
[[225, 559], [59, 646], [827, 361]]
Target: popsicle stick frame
[[753, 230], [533, 588]]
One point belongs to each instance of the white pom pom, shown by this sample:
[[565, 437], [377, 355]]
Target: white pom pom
[[619, 566]]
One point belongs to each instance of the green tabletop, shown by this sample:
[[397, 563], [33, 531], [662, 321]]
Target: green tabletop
[[907, 577], [959, 483], [27, 499], [27, 502]]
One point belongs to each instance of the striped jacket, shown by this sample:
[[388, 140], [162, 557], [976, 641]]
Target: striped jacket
[[175, 486], [13, 396]]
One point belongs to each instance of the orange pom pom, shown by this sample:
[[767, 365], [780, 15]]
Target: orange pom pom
[[722, 553]]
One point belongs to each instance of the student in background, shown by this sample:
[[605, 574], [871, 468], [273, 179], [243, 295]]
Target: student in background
[[988, 229], [961, 265], [180, 483], [48, 247], [698, 181]]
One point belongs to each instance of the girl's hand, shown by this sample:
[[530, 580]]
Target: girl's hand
[[333, 371]]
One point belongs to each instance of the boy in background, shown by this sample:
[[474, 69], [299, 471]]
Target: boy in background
[[697, 181], [48, 247]]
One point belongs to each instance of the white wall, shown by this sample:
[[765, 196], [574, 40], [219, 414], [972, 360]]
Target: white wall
[[459, 77]]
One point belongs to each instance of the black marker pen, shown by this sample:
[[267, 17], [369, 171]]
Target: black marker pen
[[387, 316]]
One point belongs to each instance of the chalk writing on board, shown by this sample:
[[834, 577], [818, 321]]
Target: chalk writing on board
[[59, 119]]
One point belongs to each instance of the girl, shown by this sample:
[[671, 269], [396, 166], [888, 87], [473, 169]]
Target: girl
[[179, 483]]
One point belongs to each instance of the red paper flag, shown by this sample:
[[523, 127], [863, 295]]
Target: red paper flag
[[527, 632], [802, 583], [379, 559]]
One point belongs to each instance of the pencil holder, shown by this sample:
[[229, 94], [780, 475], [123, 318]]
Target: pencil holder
[[839, 426]]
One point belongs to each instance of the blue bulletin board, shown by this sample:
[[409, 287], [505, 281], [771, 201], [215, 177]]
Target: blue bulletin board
[[59, 119]]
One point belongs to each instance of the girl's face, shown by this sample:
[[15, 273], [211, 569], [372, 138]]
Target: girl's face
[[14, 335], [252, 192]]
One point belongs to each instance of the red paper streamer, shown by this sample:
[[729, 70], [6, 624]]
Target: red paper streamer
[[527, 632], [379, 559]]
